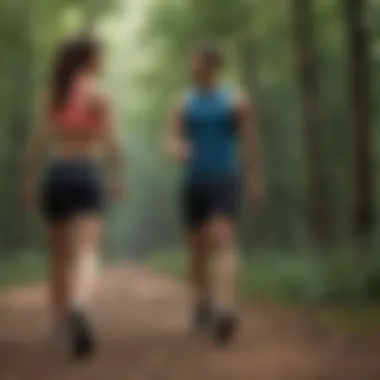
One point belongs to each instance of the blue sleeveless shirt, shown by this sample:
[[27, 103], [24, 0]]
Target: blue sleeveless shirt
[[210, 126]]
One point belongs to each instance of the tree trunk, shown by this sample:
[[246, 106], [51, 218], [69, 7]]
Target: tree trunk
[[254, 231], [312, 122], [359, 117]]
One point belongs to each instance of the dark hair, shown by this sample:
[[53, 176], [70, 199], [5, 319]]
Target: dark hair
[[211, 55], [72, 56]]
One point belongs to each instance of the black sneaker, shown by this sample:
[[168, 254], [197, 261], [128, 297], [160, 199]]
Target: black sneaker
[[224, 328], [82, 339], [202, 320]]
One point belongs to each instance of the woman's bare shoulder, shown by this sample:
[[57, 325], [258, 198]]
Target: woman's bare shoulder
[[95, 94]]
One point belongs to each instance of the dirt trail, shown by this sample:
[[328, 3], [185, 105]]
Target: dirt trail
[[141, 319]]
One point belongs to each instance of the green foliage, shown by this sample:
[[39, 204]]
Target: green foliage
[[305, 278], [148, 69], [22, 268], [258, 41]]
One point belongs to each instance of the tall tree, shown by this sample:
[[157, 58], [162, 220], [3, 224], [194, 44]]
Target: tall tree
[[359, 112], [254, 229], [312, 120]]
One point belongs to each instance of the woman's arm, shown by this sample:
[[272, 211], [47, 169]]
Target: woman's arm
[[37, 145], [115, 155]]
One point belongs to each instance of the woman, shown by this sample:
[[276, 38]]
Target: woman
[[75, 127]]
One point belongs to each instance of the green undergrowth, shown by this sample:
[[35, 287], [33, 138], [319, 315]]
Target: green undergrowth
[[22, 268], [29, 267], [344, 289]]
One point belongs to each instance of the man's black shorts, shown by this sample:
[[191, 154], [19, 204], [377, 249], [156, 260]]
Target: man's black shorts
[[205, 200]]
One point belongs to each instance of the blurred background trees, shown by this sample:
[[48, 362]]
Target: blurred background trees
[[310, 68], [304, 65]]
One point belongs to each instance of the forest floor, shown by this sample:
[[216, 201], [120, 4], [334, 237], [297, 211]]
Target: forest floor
[[142, 323]]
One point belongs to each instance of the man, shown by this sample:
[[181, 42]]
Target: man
[[201, 134]]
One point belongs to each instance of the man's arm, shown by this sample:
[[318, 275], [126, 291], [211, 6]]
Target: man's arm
[[175, 143], [249, 136]]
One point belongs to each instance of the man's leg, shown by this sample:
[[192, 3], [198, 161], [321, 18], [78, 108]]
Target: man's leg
[[198, 244], [198, 259], [222, 233], [225, 264], [225, 273]]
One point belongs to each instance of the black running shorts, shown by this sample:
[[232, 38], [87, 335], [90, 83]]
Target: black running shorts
[[71, 187], [205, 200]]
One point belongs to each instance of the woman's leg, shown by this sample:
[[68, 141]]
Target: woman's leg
[[87, 233], [74, 272], [60, 268]]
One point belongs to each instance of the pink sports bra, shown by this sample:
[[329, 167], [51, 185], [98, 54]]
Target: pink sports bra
[[77, 113]]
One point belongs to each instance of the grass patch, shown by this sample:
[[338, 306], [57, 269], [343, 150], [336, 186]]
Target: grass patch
[[22, 268], [361, 319], [171, 263], [337, 278], [30, 267]]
